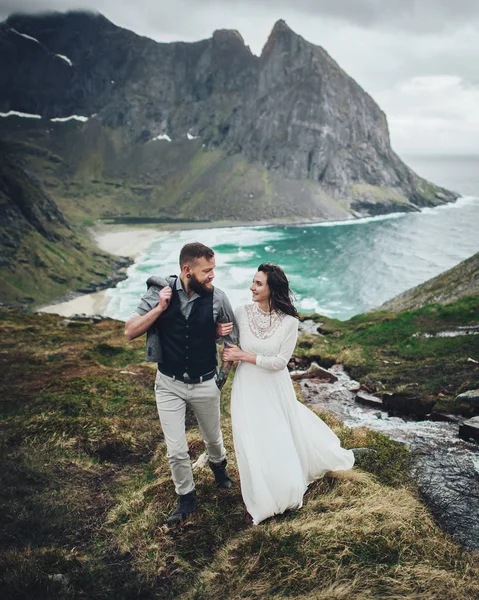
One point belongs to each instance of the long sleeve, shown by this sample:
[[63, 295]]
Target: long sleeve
[[280, 360]]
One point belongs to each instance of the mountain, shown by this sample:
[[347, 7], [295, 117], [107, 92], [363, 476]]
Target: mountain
[[202, 130], [42, 256], [450, 286]]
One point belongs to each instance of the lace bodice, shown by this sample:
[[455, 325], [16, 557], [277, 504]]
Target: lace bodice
[[271, 339], [262, 324]]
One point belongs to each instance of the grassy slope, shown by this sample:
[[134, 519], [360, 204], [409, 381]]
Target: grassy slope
[[461, 280], [384, 348], [43, 256], [46, 270], [85, 490]]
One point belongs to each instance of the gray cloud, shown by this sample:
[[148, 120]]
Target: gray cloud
[[425, 16], [411, 15]]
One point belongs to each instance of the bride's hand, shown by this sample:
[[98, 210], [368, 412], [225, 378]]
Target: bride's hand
[[232, 353]]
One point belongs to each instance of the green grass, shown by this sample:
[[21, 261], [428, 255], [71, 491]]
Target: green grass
[[85, 491], [365, 191], [42, 271]]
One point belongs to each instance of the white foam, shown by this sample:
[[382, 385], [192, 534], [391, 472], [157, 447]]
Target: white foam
[[311, 305], [163, 136], [359, 221], [241, 275], [192, 137], [244, 254], [65, 58], [15, 113], [459, 203], [70, 118]]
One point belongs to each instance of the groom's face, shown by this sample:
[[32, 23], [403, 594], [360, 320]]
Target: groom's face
[[202, 273]]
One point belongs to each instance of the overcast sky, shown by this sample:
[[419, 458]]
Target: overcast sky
[[419, 59]]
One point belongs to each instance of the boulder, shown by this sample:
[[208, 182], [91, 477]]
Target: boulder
[[469, 430], [471, 398], [314, 372], [368, 399], [406, 403], [445, 417]]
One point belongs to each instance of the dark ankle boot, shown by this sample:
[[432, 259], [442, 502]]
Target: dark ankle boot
[[221, 476], [186, 505]]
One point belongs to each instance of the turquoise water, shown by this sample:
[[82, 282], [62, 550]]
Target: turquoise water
[[337, 269]]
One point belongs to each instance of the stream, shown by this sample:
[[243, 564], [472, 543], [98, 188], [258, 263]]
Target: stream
[[445, 467]]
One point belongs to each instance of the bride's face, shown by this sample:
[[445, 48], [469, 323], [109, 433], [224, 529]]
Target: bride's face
[[260, 287]]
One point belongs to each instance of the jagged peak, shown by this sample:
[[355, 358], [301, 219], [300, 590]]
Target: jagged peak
[[280, 31], [281, 27], [228, 35]]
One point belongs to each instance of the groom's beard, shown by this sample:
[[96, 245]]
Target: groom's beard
[[199, 288]]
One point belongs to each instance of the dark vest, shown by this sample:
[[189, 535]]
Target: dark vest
[[188, 345]]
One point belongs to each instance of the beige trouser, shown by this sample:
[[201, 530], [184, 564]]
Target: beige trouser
[[204, 399]]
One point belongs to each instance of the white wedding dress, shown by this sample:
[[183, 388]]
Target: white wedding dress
[[281, 446]]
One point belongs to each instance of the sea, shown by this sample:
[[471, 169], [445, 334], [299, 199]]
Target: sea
[[338, 269]]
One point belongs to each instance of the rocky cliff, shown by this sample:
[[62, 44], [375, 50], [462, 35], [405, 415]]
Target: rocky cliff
[[198, 130], [450, 286]]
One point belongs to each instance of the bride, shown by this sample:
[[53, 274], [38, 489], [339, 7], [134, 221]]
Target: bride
[[281, 446]]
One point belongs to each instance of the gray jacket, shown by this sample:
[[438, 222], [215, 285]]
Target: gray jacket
[[222, 311]]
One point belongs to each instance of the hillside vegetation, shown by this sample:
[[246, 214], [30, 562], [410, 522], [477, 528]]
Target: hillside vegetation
[[43, 254], [462, 280]]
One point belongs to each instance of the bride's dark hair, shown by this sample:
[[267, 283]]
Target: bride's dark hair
[[280, 293]]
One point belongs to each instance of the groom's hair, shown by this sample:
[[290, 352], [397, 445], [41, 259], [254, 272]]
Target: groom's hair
[[191, 252]]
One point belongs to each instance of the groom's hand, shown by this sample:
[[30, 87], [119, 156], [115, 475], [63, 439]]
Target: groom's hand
[[165, 297], [222, 377], [223, 329], [223, 374], [220, 381]]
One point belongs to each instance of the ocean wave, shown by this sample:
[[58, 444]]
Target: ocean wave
[[358, 221], [460, 203]]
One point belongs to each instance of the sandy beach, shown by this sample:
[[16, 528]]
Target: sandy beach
[[88, 304], [125, 241], [116, 239]]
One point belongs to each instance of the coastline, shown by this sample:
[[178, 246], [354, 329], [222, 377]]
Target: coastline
[[130, 240], [120, 240]]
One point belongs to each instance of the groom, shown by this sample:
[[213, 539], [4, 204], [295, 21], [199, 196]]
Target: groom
[[183, 317]]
